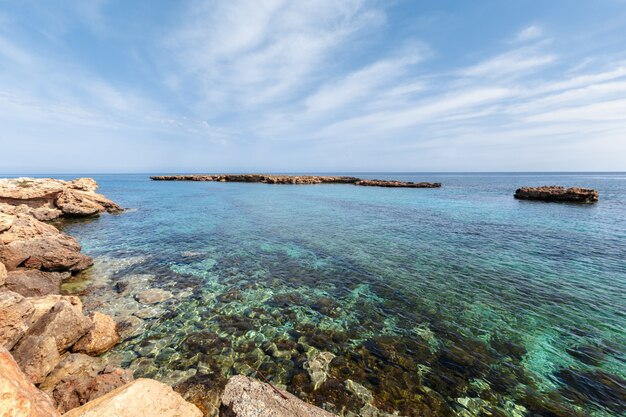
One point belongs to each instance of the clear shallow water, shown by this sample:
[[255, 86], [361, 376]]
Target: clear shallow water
[[453, 301]]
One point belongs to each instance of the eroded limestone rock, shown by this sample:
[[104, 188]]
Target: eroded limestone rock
[[33, 283], [142, 397], [15, 318], [18, 396], [102, 336]]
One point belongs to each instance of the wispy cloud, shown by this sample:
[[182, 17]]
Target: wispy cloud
[[282, 84]]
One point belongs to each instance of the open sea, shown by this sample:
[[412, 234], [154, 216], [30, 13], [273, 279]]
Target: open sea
[[459, 301]]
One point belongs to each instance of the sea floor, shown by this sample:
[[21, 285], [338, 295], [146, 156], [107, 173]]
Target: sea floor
[[368, 302]]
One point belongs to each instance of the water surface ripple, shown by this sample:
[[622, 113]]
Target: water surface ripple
[[431, 302]]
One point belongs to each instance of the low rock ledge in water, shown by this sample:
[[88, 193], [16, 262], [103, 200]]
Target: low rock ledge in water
[[557, 194], [296, 179]]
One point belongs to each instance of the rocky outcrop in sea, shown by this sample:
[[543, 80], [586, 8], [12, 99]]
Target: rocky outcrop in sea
[[557, 194], [50, 347], [296, 179]]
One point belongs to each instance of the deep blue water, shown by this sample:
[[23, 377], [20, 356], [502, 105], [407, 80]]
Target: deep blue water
[[452, 301]]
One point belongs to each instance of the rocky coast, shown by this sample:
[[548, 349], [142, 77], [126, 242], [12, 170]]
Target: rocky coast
[[296, 179], [50, 344]]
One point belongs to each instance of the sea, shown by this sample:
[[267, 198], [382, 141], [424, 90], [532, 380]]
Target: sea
[[366, 301]]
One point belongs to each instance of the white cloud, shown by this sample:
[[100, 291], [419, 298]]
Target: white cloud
[[249, 53], [529, 33]]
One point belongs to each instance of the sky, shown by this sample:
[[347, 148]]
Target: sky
[[312, 86]]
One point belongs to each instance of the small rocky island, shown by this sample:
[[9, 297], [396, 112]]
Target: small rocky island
[[50, 347], [295, 179], [555, 193]]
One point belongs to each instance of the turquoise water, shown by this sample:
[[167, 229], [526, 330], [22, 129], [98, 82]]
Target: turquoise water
[[435, 302]]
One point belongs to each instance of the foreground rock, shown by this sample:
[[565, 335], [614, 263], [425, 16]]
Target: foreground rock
[[246, 397], [557, 194], [39, 350], [102, 336], [142, 397], [56, 197], [15, 317], [34, 283], [3, 274], [30, 243], [18, 396], [295, 179]]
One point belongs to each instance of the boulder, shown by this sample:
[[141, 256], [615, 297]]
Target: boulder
[[37, 357], [15, 318], [6, 221], [34, 283], [34, 244], [142, 397], [79, 378], [247, 397], [44, 304], [3, 274], [18, 396], [102, 336], [73, 365], [78, 203], [65, 323], [555, 193], [153, 296]]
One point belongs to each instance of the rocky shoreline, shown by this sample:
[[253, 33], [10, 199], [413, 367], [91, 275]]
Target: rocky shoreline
[[50, 346], [553, 193], [296, 179]]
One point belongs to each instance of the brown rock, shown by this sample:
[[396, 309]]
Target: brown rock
[[102, 336], [77, 197], [37, 357], [34, 244], [557, 194], [34, 192], [295, 179], [74, 365], [79, 378], [6, 221], [246, 397], [15, 317], [3, 274], [34, 283], [44, 304], [65, 323], [77, 203], [142, 397], [18, 396]]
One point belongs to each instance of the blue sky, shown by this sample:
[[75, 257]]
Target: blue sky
[[319, 85]]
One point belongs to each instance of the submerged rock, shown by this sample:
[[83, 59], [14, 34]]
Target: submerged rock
[[153, 296], [18, 396], [317, 367], [142, 397], [246, 397], [558, 194]]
